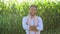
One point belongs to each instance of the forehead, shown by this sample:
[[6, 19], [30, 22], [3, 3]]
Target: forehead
[[33, 8]]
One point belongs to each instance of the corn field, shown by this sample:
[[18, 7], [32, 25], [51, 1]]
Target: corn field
[[11, 14]]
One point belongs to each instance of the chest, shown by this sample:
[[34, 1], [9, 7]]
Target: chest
[[32, 22]]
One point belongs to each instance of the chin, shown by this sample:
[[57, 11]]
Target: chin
[[33, 14]]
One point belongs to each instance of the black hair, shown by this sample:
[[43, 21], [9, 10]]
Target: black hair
[[33, 6]]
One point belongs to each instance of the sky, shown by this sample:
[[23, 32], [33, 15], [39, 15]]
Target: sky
[[20, 1]]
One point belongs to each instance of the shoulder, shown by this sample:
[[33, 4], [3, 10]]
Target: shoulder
[[39, 17], [25, 17]]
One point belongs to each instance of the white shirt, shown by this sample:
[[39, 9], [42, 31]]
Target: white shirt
[[26, 27]]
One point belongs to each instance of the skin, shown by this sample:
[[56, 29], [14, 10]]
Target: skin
[[32, 12], [33, 28]]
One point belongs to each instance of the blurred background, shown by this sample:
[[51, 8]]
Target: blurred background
[[12, 12]]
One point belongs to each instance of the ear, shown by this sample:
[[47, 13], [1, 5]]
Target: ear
[[36, 12], [29, 12]]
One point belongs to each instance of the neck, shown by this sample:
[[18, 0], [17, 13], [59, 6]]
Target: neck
[[32, 16]]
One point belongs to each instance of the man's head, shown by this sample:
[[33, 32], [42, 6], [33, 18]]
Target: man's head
[[33, 10]]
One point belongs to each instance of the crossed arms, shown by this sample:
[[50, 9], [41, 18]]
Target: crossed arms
[[32, 28]]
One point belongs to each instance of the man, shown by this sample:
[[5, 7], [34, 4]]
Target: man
[[32, 24]]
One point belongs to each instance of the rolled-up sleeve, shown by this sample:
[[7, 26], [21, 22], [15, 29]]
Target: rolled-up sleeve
[[40, 24], [25, 26]]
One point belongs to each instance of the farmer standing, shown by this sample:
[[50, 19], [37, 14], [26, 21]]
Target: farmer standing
[[32, 24]]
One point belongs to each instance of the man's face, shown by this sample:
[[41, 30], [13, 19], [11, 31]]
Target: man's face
[[32, 10]]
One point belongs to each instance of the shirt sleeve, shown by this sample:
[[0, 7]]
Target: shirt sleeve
[[25, 26], [40, 24]]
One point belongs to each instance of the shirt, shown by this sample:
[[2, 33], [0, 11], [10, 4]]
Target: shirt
[[26, 27]]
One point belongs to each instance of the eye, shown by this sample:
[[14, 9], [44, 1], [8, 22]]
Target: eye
[[33, 9]]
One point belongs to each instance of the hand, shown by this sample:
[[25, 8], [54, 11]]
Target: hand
[[33, 28]]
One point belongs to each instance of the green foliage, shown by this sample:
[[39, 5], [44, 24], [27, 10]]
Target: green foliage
[[11, 17]]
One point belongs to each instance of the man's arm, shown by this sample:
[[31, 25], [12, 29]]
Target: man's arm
[[25, 26], [40, 25]]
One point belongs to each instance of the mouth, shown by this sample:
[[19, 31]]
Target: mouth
[[33, 13]]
